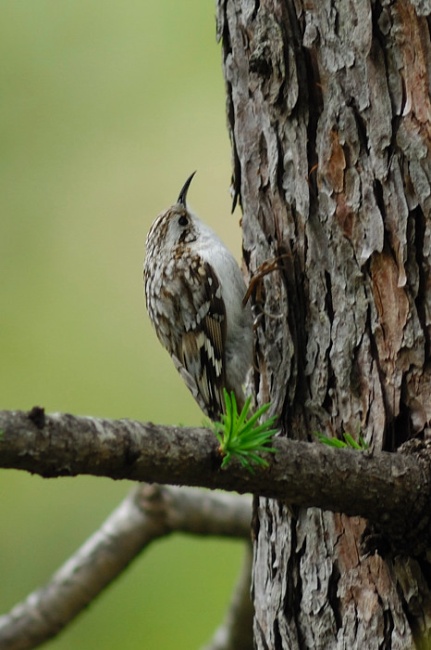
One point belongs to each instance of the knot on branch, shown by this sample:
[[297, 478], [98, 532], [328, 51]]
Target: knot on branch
[[37, 416]]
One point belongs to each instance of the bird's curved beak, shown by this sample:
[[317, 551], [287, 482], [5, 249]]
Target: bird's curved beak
[[183, 194]]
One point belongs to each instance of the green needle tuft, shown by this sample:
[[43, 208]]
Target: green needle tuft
[[243, 437], [348, 442]]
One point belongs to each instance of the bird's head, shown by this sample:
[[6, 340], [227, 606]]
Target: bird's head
[[176, 225]]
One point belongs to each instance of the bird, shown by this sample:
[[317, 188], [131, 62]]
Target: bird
[[194, 292]]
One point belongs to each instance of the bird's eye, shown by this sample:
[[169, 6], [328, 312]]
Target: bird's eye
[[183, 221]]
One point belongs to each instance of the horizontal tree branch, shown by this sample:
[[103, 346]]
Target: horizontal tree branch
[[147, 513], [392, 490]]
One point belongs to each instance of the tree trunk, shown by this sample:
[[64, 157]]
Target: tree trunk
[[329, 115]]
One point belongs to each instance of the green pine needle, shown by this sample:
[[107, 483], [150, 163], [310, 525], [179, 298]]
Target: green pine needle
[[241, 437], [348, 442]]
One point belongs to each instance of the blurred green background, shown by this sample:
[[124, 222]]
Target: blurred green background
[[106, 108]]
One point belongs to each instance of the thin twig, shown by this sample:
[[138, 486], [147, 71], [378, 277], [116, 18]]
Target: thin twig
[[147, 513], [236, 631]]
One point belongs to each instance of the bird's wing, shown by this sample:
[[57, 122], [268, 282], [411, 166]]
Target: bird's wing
[[199, 353]]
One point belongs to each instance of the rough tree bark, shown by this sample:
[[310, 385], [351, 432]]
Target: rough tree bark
[[329, 114]]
